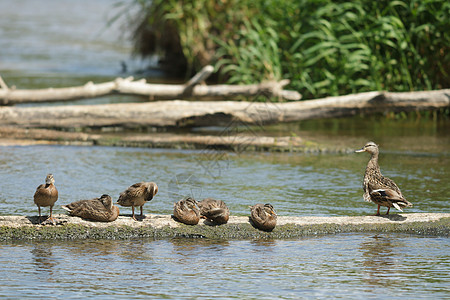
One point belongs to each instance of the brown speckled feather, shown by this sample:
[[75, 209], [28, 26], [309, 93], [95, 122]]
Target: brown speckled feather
[[186, 211], [263, 216], [138, 194], [46, 195], [215, 211], [377, 188], [98, 209]]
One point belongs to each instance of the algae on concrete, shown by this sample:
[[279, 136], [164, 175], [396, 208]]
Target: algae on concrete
[[239, 230]]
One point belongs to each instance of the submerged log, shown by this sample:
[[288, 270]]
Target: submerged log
[[126, 86], [180, 113], [238, 227]]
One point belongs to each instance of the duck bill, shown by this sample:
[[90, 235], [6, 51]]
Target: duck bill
[[360, 150]]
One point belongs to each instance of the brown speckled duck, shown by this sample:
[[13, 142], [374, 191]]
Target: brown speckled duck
[[186, 211], [263, 216], [137, 195], [46, 195], [377, 188], [215, 211], [97, 209]]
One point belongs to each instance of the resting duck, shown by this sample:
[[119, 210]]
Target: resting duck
[[186, 211], [46, 195], [263, 216], [215, 211], [377, 188], [98, 209], [137, 195]]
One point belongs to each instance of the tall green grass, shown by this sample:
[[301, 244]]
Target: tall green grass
[[324, 47]]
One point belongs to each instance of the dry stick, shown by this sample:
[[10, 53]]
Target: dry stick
[[199, 77]]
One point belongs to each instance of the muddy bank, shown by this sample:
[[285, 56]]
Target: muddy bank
[[238, 227]]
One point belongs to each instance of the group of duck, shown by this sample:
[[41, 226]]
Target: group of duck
[[187, 210], [377, 189]]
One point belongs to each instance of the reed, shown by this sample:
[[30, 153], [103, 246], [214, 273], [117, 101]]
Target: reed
[[324, 47]]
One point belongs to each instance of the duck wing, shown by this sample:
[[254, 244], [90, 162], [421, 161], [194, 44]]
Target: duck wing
[[88, 209], [131, 192], [392, 196], [186, 215], [257, 214]]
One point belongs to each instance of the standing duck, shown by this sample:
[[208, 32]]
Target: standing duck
[[46, 195], [137, 195], [186, 211], [215, 211], [98, 209], [377, 188], [263, 216]]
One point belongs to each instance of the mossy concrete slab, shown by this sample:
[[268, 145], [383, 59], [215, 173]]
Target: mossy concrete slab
[[238, 227]]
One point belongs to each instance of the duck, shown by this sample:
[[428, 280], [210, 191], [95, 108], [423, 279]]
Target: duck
[[97, 209], [46, 195], [137, 195], [215, 211], [378, 188], [263, 216], [186, 211]]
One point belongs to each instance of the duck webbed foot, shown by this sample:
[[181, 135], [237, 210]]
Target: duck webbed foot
[[378, 211]]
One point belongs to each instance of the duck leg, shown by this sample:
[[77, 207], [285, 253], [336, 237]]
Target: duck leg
[[50, 217], [378, 210], [141, 211], [40, 218], [132, 210], [388, 211]]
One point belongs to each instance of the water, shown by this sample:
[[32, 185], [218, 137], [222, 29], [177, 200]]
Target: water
[[65, 43], [297, 185], [61, 37], [348, 266]]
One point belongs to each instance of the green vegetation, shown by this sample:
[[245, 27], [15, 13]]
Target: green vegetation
[[324, 47]]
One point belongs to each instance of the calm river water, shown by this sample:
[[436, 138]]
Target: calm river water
[[63, 43], [348, 265]]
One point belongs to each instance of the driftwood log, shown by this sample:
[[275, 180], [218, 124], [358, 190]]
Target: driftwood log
[[208, 113], [126, 86]]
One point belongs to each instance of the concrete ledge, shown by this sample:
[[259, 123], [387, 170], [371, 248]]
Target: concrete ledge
[[238, 227]]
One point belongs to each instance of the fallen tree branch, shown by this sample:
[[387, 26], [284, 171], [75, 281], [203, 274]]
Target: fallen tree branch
[[127, 86], [208, 113]]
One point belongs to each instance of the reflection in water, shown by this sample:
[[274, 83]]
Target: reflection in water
[[92, 248], [378, 260], [266, 245], [186, 247], [44, 262], [389, 266]]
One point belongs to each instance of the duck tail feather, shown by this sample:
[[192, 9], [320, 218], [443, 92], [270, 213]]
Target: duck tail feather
[[397, 206]]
